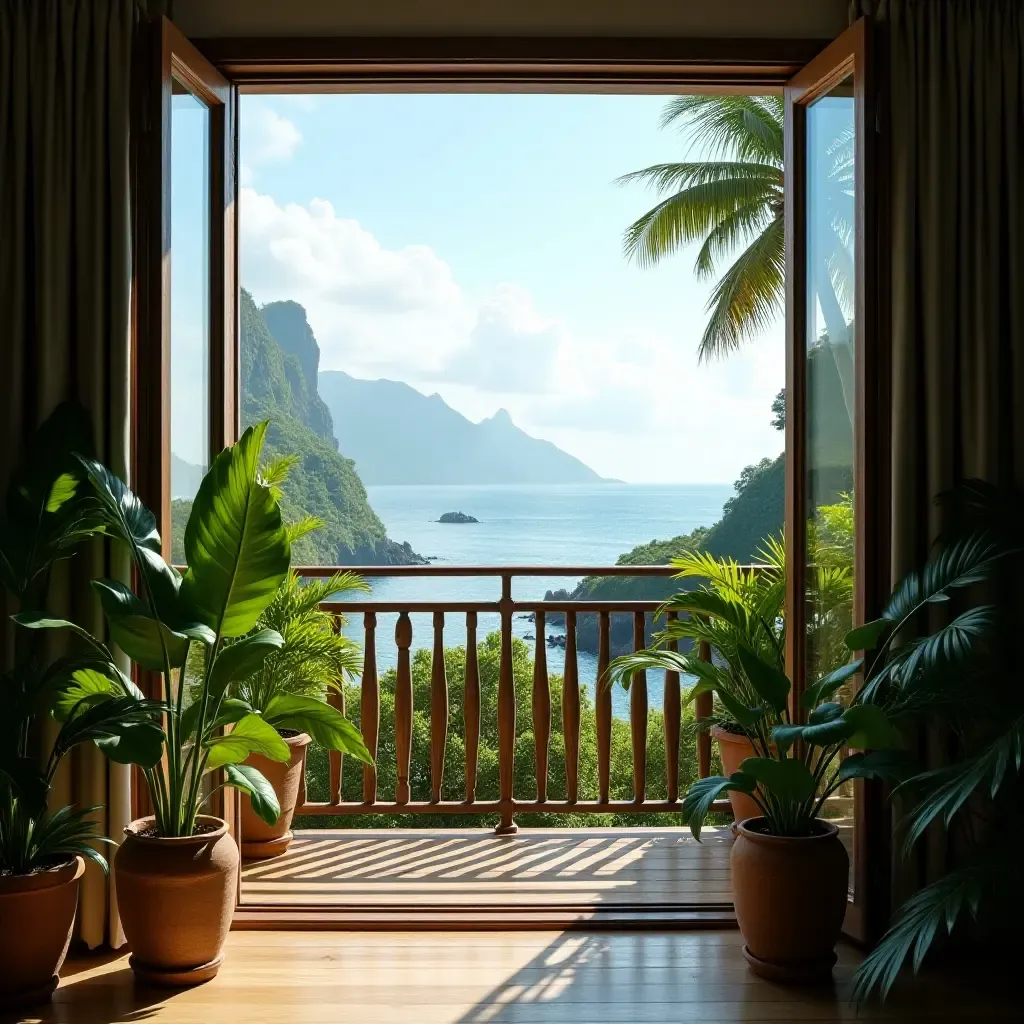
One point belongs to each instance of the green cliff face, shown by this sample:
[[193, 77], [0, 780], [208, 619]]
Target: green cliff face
[[279, 376]]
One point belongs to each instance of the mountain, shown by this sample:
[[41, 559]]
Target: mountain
[[279, 378], [185, 477], [398, 436]]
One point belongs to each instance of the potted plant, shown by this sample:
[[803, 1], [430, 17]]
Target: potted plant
[[289, 689], [961, 681], [789, 868], [43, 851], [734, 606], [176, 871]]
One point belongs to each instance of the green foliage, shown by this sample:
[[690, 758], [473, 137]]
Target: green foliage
[[956, 674], [731, 201], [47, 517], [238, 555], [489, 653]]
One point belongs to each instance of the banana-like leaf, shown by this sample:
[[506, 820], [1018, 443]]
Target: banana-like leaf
[[885, 765], [704, 792], [867, 637], [261, 793], [140, 743], [872, 729], [829, 684], [142, 637], [76, 678], [91, 720], [746, 716], [39, 620], [328, 726], [251, 735], [771, 685], [242, 659], [784, 736], [787, 778], [231, 710], [235, 543]]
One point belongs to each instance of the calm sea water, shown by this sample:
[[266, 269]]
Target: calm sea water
[[526, 525]]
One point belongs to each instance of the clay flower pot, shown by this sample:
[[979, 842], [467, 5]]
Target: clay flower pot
[[176, 897], [734, 748], [260, 840], [37, 912], [790, 898]]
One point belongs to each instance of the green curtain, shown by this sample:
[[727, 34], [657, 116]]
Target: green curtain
[[65, 280], [952, 114]]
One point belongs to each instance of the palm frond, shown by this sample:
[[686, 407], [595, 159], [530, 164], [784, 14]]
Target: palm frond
[[749, 297], [937, 905], [750, 127]]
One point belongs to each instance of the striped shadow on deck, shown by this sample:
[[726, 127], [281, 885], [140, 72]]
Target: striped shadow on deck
[[647, 871]]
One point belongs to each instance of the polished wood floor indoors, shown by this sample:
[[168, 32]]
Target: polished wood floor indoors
[[463, 867], [320, 977]]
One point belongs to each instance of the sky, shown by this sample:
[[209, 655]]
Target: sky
[[471, 245]]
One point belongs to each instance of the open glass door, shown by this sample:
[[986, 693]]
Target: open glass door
[[186, 336], [836, 476]]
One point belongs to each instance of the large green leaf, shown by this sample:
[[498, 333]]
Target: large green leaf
[[746, 716], [885, 765], [143, 638], [829, 684], [235, 543], [704, 792], [40, 620], [771, 685], [328, 726], [251, 735], [261, 793], [866, 637], [140, 743], [240, 660], [787, 778], [871, 728], [231, 710]]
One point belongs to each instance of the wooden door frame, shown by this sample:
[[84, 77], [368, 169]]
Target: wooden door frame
[[165, 55], [542, 64], [850, 53]]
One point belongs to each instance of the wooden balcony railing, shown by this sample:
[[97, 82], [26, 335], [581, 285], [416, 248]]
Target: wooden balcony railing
[[445, 614]]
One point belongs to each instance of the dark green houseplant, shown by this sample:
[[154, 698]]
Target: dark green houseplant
[[45, 521]]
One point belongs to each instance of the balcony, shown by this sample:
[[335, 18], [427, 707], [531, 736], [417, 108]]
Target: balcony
[[505, 875]]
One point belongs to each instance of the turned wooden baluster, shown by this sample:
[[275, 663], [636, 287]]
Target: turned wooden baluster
[[471, 707], [603, 708], [673, 718], [638, 714], [571, 711], [403, 707], [541, 708], [369, 707], [336, 698], [438, 710], [703, 707], [506, 711]]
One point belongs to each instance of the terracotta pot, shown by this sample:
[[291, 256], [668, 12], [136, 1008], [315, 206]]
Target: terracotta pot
[[37, 912], [734, 748], [790, 898], [176, 898], [260, 840]]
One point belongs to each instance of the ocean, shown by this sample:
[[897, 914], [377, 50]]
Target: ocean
[[568, 525]]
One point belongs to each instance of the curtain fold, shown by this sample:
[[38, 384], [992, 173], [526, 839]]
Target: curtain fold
[[65, 280], [953, 116]]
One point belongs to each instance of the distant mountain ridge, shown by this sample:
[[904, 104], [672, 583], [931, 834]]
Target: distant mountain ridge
[[279, 377], [396, 435]]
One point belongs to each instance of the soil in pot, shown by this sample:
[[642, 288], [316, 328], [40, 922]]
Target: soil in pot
[[176, 898], [734, 748], [790, 897], [37, 912], [260, 840]]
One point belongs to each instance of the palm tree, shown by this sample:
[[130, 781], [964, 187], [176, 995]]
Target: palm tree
[[735, 199]]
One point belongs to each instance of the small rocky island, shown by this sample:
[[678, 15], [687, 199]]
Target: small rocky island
[[457, 517]]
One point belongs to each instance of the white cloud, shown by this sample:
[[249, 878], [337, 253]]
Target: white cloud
[[633, 404], [268, 137]]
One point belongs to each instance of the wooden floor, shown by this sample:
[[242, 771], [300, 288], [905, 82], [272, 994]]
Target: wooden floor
[[490, 978], [473, 867]]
